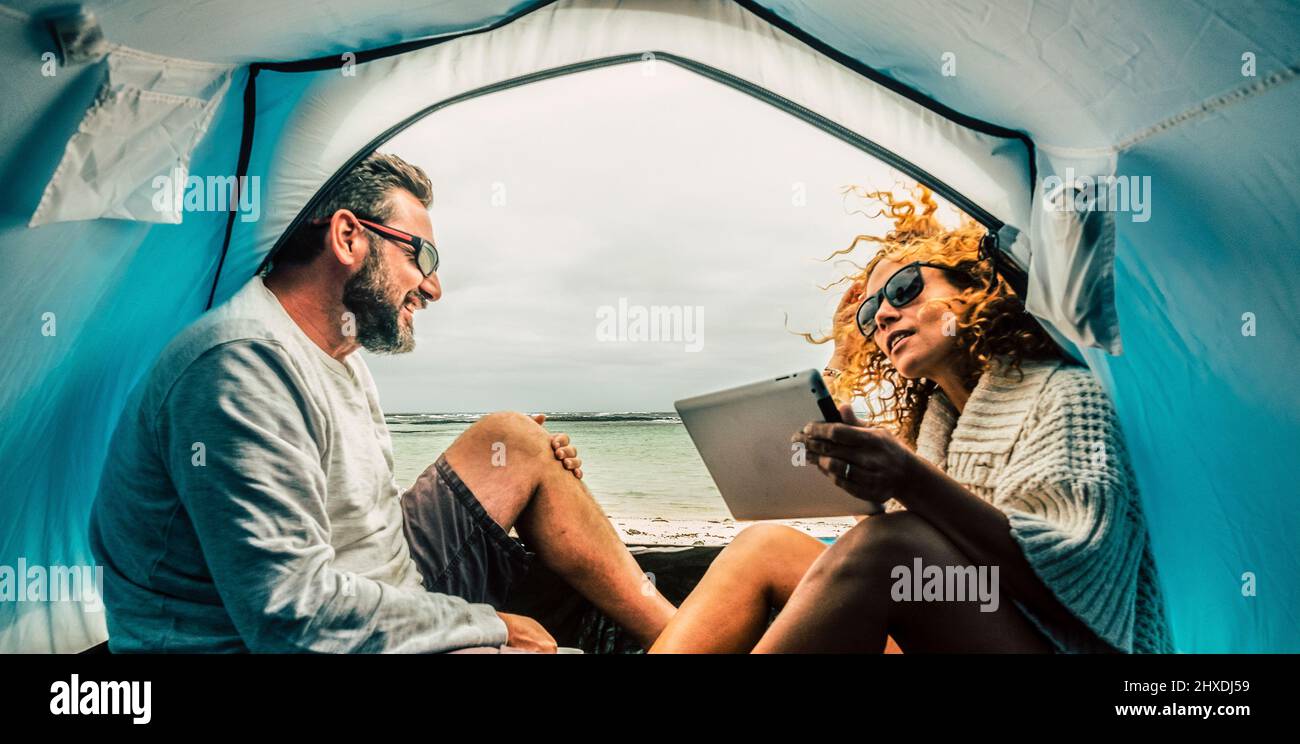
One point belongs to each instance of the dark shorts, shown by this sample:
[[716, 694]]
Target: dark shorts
[[459, 549]]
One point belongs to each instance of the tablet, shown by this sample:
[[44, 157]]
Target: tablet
[[743, 436]]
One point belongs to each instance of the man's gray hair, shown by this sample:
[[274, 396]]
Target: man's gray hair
[[365, 190]]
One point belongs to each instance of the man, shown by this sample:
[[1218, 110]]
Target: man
[[248, 500]]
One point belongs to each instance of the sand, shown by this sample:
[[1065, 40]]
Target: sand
[[658, 531]]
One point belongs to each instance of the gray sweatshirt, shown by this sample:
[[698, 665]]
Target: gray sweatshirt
[[248, 503]]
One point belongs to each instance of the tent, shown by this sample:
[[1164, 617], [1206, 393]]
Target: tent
[[1134, 162]]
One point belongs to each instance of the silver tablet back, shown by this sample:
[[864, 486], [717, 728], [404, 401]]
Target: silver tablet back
[[743, 435]]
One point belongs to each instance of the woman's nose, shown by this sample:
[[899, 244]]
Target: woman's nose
[[886, 314]]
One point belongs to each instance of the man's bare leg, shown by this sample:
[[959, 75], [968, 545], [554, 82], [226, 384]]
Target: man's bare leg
[[507, 461], [728, 610]]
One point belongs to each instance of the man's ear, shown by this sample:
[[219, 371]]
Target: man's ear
[[347, 239]]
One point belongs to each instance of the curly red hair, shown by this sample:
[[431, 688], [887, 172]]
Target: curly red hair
[[992, 325]]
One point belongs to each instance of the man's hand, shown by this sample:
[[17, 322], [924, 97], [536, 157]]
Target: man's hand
[[566, 453], [527, 634]]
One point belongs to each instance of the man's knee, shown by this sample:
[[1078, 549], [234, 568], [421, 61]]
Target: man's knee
[[510, 434], [500, 444]]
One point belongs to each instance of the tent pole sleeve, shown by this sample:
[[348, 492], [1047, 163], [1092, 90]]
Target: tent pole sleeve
[[241, 171]]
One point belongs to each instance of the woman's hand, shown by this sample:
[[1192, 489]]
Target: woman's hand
[[566, 453], [877, 465]]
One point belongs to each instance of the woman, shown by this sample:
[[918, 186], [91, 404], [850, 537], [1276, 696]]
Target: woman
[[989, 450]]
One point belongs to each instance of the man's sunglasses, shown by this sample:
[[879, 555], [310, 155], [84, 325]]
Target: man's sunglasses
[[426, 253], [901, 288]]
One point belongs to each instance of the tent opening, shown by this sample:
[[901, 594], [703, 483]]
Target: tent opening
[[649, 65], [621, 236]]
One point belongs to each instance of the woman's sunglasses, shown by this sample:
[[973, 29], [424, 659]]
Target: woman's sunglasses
[[901, 288], [426, 253]]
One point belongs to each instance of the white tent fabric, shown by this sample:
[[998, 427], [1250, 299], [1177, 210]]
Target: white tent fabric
[[1199, 98], [339, 114], [142, 129], [346, 109]]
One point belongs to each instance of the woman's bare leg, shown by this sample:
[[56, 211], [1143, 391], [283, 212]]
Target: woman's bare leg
[[844, 603], [728, 610]]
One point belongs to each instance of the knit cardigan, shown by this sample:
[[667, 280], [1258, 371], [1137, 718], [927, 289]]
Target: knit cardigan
[[1046, 449]]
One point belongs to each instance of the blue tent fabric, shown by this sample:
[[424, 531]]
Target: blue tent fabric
[[1204, 386], [1212, 416], [118, 291], [1211, 413]]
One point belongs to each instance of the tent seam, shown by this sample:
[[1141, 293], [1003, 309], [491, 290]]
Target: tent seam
[[126, 51], [330, 61], [1210, 105], [14, 13]]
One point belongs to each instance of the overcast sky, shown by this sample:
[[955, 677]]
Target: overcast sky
[[554, 201]]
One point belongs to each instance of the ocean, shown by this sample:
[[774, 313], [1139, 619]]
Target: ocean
[[641, 468], [637, 465]]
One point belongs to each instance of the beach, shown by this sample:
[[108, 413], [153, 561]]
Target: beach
[[662, 531], [641, 468]]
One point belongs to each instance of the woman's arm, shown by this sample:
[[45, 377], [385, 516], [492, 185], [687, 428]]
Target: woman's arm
[[882, 468], [982, 532]]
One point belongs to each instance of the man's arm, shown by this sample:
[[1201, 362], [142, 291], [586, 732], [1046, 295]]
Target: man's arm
[[257, 504]]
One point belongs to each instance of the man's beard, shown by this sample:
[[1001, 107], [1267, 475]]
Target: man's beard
[[378, 321]]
